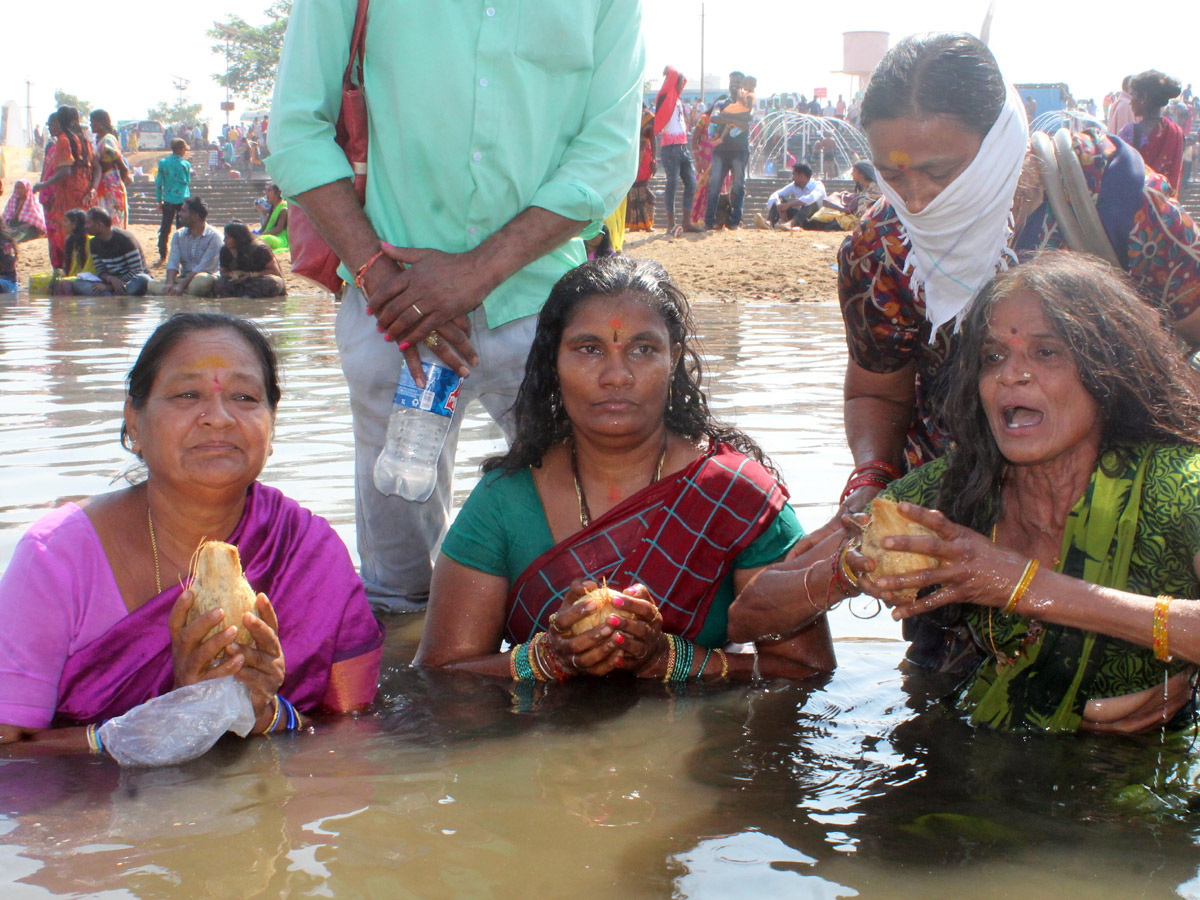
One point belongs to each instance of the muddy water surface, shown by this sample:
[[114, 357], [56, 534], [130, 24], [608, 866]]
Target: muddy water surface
[[856, 786]]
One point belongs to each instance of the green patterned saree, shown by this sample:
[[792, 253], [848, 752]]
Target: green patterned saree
[[1136, 528]]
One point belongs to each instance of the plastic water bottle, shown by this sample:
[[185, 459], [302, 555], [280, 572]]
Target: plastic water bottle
[[407, 466]]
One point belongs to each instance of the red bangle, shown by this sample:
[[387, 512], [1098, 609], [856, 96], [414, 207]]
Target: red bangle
[[885, 469], [359, 276], [874, 473]]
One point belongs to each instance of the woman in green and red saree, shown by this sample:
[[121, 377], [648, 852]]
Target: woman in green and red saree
[[1068, 514], [619, 473]]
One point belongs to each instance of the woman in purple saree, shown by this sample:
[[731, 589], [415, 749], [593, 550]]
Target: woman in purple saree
[[93, 598]]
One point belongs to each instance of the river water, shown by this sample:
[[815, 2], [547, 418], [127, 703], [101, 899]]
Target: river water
[[859, 785]]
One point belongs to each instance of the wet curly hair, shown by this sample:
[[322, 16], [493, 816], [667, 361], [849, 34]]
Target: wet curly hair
[[541, 419], [1125, 356]]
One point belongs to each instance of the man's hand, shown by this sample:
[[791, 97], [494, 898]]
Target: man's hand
[[428, 291]]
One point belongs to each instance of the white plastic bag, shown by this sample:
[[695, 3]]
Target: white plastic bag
[[180, 725]]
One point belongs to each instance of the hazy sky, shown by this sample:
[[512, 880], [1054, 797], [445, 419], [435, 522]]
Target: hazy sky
[[125, 62]]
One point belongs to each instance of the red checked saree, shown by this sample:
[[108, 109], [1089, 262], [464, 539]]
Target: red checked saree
[[679, 537]]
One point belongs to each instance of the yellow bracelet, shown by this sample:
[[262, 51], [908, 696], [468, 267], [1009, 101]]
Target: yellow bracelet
[[850, 576], [724, 663], [1162, 606], [1031, 568]]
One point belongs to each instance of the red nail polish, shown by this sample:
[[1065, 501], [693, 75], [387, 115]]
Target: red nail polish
[[617, 662], [386, 244], [386, 337], [614, 621], [379, 328], [618, 601], [370, 312], [405, 345], [619, 638]]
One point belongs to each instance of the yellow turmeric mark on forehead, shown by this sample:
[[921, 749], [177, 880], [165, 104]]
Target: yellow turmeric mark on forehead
[[213, 362], [899, 158]]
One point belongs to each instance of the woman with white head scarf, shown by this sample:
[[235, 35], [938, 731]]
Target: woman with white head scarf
[[950, 143]]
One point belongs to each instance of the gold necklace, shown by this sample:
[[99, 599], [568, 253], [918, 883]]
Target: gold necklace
[[585, 514], [154, 547]]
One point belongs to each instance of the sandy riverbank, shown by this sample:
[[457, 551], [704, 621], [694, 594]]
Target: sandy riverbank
[[729, 266]]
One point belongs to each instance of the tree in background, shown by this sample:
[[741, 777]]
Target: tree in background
[[62, 98], [175, 114], [253, 52]]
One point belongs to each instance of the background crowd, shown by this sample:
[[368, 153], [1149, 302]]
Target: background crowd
[[80, 206]]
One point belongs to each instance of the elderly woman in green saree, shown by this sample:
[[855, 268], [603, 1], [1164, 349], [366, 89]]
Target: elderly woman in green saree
[[1066, 521]]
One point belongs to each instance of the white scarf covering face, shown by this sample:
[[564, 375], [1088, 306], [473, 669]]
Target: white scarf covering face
[[959, 240]]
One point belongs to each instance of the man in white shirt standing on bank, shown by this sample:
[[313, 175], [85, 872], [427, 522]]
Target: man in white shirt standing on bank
[[795, 203]]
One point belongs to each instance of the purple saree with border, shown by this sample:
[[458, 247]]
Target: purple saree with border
[[331, 643]]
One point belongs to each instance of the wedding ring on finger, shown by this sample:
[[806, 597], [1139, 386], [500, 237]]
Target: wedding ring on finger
[[433, 341], [414, 308], [553, 622]]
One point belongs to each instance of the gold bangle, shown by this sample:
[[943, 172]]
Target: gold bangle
[[275, 718], [850, 576], [670, 658], [724, 663], [1162, 607], [1014, 598], [535, 662]]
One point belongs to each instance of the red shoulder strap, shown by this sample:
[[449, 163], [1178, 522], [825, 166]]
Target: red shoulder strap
[[358, 39]]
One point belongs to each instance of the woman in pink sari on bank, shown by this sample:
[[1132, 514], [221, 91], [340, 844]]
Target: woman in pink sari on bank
[[93, 603]]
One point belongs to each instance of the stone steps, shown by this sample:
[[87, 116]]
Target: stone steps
[[227, 199]]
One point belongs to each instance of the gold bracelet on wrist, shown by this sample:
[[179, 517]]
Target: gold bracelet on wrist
[[1014, 598], [1162, 608]]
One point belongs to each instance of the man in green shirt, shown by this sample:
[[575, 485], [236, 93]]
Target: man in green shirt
[[172, 185], [482, 182]]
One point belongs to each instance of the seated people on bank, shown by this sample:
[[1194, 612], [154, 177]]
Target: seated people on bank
[[794, 204], [195, 250], [842, 210], [619, 473], [117, 257], [78, 275], [78, 246], [92, 601], [275, 230], [1068, 529], [23, 214], [248, 267]]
